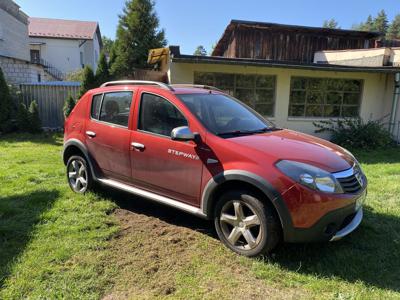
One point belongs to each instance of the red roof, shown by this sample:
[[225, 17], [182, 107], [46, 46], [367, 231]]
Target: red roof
[[65, 29]]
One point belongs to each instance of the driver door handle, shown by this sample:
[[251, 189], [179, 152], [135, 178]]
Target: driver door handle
[[137, 146]]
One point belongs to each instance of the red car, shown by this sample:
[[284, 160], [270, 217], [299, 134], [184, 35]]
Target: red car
[[200, 150]]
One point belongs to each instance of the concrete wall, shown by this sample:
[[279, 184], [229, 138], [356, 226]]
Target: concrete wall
[[376, 95], [64, 54], [395, 58], [19, 71], [357, 57], [14, 41]]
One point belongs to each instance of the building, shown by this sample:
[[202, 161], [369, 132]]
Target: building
[[65, 44], [297, 75], [14, 47]]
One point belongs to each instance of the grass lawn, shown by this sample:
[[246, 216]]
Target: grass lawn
[[56, 244]]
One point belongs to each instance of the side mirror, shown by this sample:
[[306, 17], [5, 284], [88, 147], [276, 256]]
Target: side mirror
[[182, 134]]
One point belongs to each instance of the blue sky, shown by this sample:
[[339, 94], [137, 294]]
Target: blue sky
[[190, 23]]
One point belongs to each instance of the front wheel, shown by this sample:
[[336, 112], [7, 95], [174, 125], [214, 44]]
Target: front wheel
[[245, 224], [78, 175]]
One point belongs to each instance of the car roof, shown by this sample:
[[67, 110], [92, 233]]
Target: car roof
[[154, 88]]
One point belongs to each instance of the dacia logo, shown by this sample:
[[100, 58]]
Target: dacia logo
[[183, 154]]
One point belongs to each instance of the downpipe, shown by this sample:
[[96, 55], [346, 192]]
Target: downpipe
[[396, 96]]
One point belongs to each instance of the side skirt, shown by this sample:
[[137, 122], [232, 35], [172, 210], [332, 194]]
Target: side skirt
[[149, 195]]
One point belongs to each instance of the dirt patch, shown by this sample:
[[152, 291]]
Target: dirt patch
[[161, 252]]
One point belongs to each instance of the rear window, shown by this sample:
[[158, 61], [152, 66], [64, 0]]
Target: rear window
[[96, 104]]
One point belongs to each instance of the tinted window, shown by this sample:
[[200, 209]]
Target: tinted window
[[221, 114], [115, 108], [96, 103], [159, 116]]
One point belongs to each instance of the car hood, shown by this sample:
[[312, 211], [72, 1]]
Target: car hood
[[292, 145]]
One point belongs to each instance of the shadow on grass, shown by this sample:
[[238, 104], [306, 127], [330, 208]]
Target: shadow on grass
[[18, 216], [370, 255], [46, 138]]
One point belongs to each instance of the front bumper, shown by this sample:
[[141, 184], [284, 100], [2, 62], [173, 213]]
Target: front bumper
[[333, 226]]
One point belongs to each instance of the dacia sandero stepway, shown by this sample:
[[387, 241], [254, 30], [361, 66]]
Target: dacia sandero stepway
[[206, 153]]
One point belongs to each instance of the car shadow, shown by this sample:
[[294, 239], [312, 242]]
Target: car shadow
[[371, 254], [18, 216]]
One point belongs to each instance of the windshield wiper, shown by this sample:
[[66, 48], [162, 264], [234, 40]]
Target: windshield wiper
[[245, 132]]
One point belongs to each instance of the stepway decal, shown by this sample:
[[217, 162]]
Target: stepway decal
[[183, 154]]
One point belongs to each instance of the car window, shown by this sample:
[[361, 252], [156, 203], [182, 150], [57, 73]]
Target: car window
[[157, 115], [115, 108], [96, 103]]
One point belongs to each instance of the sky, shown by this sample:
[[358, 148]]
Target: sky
[[191, 23]]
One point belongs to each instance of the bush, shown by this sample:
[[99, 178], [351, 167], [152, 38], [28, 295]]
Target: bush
[[89, 81], [355, 133], [6, 104], [102, 73], [23, 122], [69, 105], [34, 120], [75, 75]]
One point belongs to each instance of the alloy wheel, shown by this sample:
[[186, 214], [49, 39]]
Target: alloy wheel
[[240, 225], [77, 176]]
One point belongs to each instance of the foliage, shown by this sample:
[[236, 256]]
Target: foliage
[[394, 28], [356, 134], [23, 120], [69, 105], [137, 33], [76, 76], [107, 45], [331, 23], [6, 105], [200, 51], [89, 81], [35, 124], [380, 23], [102, 72]]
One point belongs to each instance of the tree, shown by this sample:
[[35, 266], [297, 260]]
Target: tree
[[69, 105], [200, 51], [107, 45], [35, 124], [5, 104], [137, 33], [88, 82], [102, 72], [331, 23], [381, 22], [394, 28]]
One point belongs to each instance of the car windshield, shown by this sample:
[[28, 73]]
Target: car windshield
[[225, 116]]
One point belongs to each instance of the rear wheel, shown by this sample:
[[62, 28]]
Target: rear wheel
[[78, 174], [245, 224]]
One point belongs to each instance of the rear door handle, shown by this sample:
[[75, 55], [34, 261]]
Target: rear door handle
[[137, 146], [91, 134]]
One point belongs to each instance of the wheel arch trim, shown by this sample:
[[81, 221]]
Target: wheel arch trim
[[81, 146]]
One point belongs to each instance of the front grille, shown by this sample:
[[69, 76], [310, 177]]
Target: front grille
[[352, 180]]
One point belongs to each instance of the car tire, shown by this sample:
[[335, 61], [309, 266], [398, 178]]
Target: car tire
[[246, 224], [79, 175]]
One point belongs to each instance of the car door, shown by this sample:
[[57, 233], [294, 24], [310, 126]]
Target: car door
[[108, 135], [160, 164]]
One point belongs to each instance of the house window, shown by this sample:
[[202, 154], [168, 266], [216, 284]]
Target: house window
[[81, 59], [324, 97], [257, 91], [35, 56]]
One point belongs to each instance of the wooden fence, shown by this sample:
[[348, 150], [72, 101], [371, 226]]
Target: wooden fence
[[50, 98]]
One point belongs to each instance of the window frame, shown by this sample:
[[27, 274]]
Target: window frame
[[253, 88], [325, 92], [140, 110], [101, 106]]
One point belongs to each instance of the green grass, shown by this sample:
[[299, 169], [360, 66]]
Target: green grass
[[56, 244]]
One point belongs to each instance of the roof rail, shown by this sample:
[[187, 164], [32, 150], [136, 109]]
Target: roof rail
[[200, 86], [138, 82]]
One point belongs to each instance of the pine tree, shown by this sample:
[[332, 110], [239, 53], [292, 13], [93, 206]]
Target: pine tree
[[394, 28], [200, 51], [35, 124], [69, 105], [23, 122], [5, 104], [331, 23], [89, 81], [381, 22], [102, 73], [137, 33]]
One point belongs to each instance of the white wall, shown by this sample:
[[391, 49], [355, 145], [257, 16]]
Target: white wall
[[376, 96], [14, 41]]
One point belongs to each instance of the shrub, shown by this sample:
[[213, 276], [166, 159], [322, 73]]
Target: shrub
[[69, 105], [22, 118], [355, 133], [102, 73], [5, 105], [88, 82], [35, 124], [77, 75]]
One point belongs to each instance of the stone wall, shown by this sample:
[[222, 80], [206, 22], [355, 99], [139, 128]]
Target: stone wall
[[19, 71]]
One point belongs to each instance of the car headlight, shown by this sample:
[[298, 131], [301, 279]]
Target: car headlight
[[310, 176]]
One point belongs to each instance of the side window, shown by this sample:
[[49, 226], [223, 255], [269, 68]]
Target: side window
[[115, 108], [159, 116], [96, 102]]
